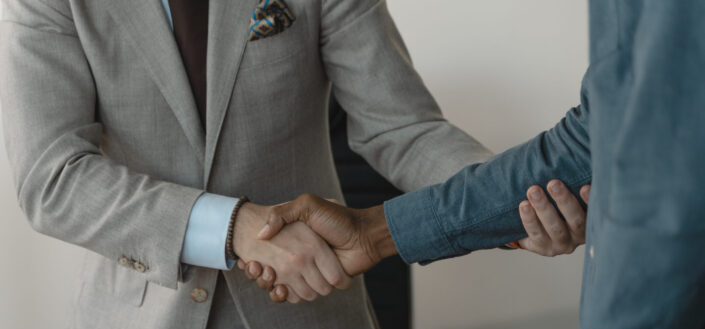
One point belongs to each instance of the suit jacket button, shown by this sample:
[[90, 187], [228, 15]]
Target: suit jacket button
[[124, 261], [139, 267], [199, 295]]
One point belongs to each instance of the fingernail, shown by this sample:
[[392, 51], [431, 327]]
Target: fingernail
[[263, 232], [557, 188], [280, 293], [535, 194], [525, 208], [266, 276], [252, 270]]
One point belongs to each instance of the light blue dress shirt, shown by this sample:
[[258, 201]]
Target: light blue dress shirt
[[204, 243]]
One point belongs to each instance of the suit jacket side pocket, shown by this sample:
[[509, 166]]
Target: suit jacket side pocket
[[108, 277]]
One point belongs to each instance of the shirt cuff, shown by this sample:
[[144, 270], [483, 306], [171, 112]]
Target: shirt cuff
[[415, 229], [207, 230]]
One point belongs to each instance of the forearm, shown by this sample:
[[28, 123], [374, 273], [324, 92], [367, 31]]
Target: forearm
[[107, 209], [65, 184], [393, 120], [477, 208]]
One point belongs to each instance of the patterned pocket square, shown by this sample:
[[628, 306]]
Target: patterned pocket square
[[270, 17]]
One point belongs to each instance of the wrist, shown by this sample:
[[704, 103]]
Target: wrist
[[247, 220], [376, 231], [229, 246]]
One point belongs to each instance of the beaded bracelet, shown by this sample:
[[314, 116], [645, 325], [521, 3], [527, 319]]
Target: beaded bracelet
[[231, 228]]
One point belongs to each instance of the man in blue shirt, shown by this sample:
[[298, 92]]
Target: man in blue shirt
[[637, 135]]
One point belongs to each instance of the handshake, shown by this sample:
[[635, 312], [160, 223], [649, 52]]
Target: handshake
[[308, 247]]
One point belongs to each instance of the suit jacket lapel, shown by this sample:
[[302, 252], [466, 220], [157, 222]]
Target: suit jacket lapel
[[229, 22], [147, 28]]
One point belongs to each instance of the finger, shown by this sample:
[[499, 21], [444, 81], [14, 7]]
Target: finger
[[241, 264], [269, 230], [279, 294], [570, 208], [287, 213], [333, 272], [528, 245], [278, 217], [551, 221], [585, 193], [254, 270], [302, 289], [292, 297], [313, 277], [266, 281], [538, 238], [336, 201]]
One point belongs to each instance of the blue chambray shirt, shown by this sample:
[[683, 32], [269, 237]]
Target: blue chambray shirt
[[639, 134]]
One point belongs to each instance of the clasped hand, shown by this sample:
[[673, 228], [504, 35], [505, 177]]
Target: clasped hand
[[305, 248]]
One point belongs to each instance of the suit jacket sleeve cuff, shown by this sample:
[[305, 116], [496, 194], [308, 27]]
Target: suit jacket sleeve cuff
[[207, 230]]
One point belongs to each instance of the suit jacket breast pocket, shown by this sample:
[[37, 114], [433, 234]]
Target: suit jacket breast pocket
[[276, 48]]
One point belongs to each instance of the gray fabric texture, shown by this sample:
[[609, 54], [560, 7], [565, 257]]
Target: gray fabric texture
[[108, 152]]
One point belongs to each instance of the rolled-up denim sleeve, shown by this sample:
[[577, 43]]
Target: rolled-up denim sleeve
[[478, 207], [207, 230]]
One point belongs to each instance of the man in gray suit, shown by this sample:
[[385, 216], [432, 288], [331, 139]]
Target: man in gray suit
[[120, 115]]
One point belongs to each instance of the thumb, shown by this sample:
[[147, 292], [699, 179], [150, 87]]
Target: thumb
[[282, 214], [275, 222]]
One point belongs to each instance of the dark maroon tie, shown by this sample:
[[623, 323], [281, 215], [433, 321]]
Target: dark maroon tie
[[190, 18]]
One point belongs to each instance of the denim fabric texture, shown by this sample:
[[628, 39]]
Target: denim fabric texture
[[643, 108], [478, 207]]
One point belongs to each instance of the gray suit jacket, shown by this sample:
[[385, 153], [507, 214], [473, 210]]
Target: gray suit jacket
[[108, 152]]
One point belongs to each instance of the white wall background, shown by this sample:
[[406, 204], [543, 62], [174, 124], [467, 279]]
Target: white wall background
[[503, 71]]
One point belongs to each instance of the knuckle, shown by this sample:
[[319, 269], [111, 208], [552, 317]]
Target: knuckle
[[327, 290], [306, 198], [565, 249], [527, 219], [557, 231], [579, 225], [561, 198], [539, 241], [273, 212], [542, 205], [545, 251], [286, 270], [296, 260], [310, 296], [336, 279]]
